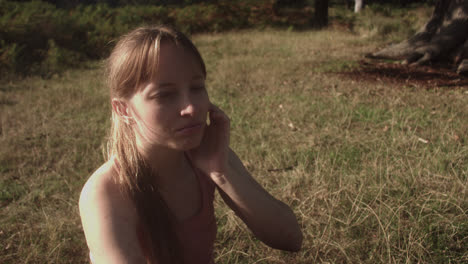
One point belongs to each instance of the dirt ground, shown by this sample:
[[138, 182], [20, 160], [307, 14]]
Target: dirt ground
[[428, 77]]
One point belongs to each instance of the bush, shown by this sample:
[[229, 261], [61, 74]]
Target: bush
[[58, 58], [38, 37]]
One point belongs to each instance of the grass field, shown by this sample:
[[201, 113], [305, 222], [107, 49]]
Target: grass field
[[375, 172]]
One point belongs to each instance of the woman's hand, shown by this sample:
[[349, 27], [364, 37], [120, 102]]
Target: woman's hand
[[212, 154]]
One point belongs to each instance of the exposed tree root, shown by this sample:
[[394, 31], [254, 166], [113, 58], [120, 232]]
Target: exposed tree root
[[443, 38], [463, 67]]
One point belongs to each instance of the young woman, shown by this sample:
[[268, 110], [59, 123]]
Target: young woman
[[152, 201]]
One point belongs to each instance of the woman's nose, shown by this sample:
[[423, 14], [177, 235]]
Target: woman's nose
[[188, 110], [188, 107]]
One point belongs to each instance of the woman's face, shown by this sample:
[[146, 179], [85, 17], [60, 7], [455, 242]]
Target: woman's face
[[171, 110]]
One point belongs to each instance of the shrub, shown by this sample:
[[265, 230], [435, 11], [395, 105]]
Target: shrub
[[58, 58], [38, 37]]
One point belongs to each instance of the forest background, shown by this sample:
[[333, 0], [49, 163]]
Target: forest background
[[372, 156]]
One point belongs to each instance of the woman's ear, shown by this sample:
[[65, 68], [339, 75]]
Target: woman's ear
[[122, 109]]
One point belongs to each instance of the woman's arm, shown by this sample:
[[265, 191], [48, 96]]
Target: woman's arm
[[270, 220]]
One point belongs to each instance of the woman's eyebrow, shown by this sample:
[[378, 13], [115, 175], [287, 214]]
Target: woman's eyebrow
[[164, 85], [171, 84]]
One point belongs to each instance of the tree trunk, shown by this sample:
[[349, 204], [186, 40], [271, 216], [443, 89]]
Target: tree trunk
[[349, 4], [358, 5], [443, 38], [321, 13]]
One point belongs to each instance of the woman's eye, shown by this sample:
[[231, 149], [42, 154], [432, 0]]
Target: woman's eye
[[198, 88], [163, 95]]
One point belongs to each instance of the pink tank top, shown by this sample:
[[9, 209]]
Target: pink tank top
[[198, 233]]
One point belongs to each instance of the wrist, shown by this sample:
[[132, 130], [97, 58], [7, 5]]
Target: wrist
[[219, 178]]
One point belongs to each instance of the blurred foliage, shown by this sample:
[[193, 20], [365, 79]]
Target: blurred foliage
[[43, 37]]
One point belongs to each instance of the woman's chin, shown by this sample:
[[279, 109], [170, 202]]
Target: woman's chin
[[187, 145], [192, 146]]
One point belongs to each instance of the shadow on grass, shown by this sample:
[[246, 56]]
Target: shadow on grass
[[427, 77]]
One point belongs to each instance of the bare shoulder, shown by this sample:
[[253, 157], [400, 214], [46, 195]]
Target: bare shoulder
[[100, 185], [100, 191], [109, 219]]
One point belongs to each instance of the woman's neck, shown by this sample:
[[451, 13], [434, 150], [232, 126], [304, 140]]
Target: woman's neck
[[171, 166]]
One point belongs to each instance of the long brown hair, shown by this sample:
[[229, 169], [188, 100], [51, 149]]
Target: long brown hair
[[133, 62]]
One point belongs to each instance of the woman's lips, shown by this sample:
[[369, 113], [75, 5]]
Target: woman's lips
[[190, 129]]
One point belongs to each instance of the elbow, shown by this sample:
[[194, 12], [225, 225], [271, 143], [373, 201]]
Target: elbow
[[292, 237], [295, 242], [290, 242], [298, 244]]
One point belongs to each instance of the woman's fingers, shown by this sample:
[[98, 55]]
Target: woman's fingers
[[217, 115]]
